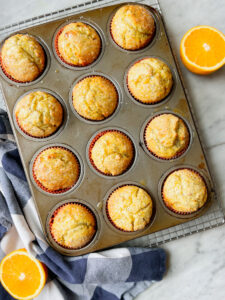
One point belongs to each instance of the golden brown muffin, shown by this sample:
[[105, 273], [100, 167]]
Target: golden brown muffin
[[130, 208], [22, 58], [166, 136], [73, 226], [95, 98], [149, 80], [112, 153], [39, 114], [56, 169], [132, 27], [184, 191], [78, 44]]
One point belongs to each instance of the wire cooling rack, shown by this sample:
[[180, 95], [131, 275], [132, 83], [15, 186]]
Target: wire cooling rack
[[214, 217]]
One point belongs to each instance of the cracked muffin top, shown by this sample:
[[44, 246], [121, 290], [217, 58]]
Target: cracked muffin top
[[132, 27], [95, 98], [112, 153], [56, 168], [166, 136], [79, 44], [22, 57], [149, 80], [39, 114], [184, 191], [73, 226], [130, 208]]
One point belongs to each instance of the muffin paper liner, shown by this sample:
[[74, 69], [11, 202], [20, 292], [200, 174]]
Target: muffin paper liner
[[63, 60], [178, 153], [111, 221], [46, 189], [55, 213], [94, 140], [132, 50], [41, 137], [15, 80], [178, 212], [92, 120], [142, 102]]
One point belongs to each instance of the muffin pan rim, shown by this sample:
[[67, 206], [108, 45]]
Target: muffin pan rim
[[93, 211], [119, 100], [47, 52], [206, 181], [106, 217], [102, 48], [157, 103], [150, 44], [60, 128], [79, 159], [149, 153]]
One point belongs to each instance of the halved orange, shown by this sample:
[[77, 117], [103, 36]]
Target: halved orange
[[22, 275], [202, 49]]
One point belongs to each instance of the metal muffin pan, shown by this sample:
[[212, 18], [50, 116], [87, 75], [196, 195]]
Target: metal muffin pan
[[130, 117]]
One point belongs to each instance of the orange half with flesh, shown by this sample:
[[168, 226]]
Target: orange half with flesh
[[202, 49], [22, 275]]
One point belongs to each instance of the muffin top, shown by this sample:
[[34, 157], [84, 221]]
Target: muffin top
[[112, 153], [73, 225], [56, 168], [79, 44], [130, 208], [166, 136], [95, 98], [184, 191], [149, 80], [39, 114], [132, 27], [22, 57]]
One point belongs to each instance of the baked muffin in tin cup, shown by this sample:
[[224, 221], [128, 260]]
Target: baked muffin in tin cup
[[184, 191], [95, 98], [149, 81], [111, 152], [166, 136], [72, 225], [132, 27], [24, 58], [129, 208], [56, 169], [40, 114], [78, 44]]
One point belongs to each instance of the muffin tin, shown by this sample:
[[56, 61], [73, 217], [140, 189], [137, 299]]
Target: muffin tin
[[130, 117]]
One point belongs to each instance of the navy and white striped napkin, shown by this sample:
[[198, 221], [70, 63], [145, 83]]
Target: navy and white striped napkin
[[113, 274]]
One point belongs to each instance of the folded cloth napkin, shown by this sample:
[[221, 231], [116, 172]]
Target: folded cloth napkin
[[113, 274]]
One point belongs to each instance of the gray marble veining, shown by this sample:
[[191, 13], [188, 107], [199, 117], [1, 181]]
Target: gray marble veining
[[196, 263]]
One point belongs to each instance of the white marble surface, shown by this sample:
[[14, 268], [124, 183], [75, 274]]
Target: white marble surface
[[196, 267]]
